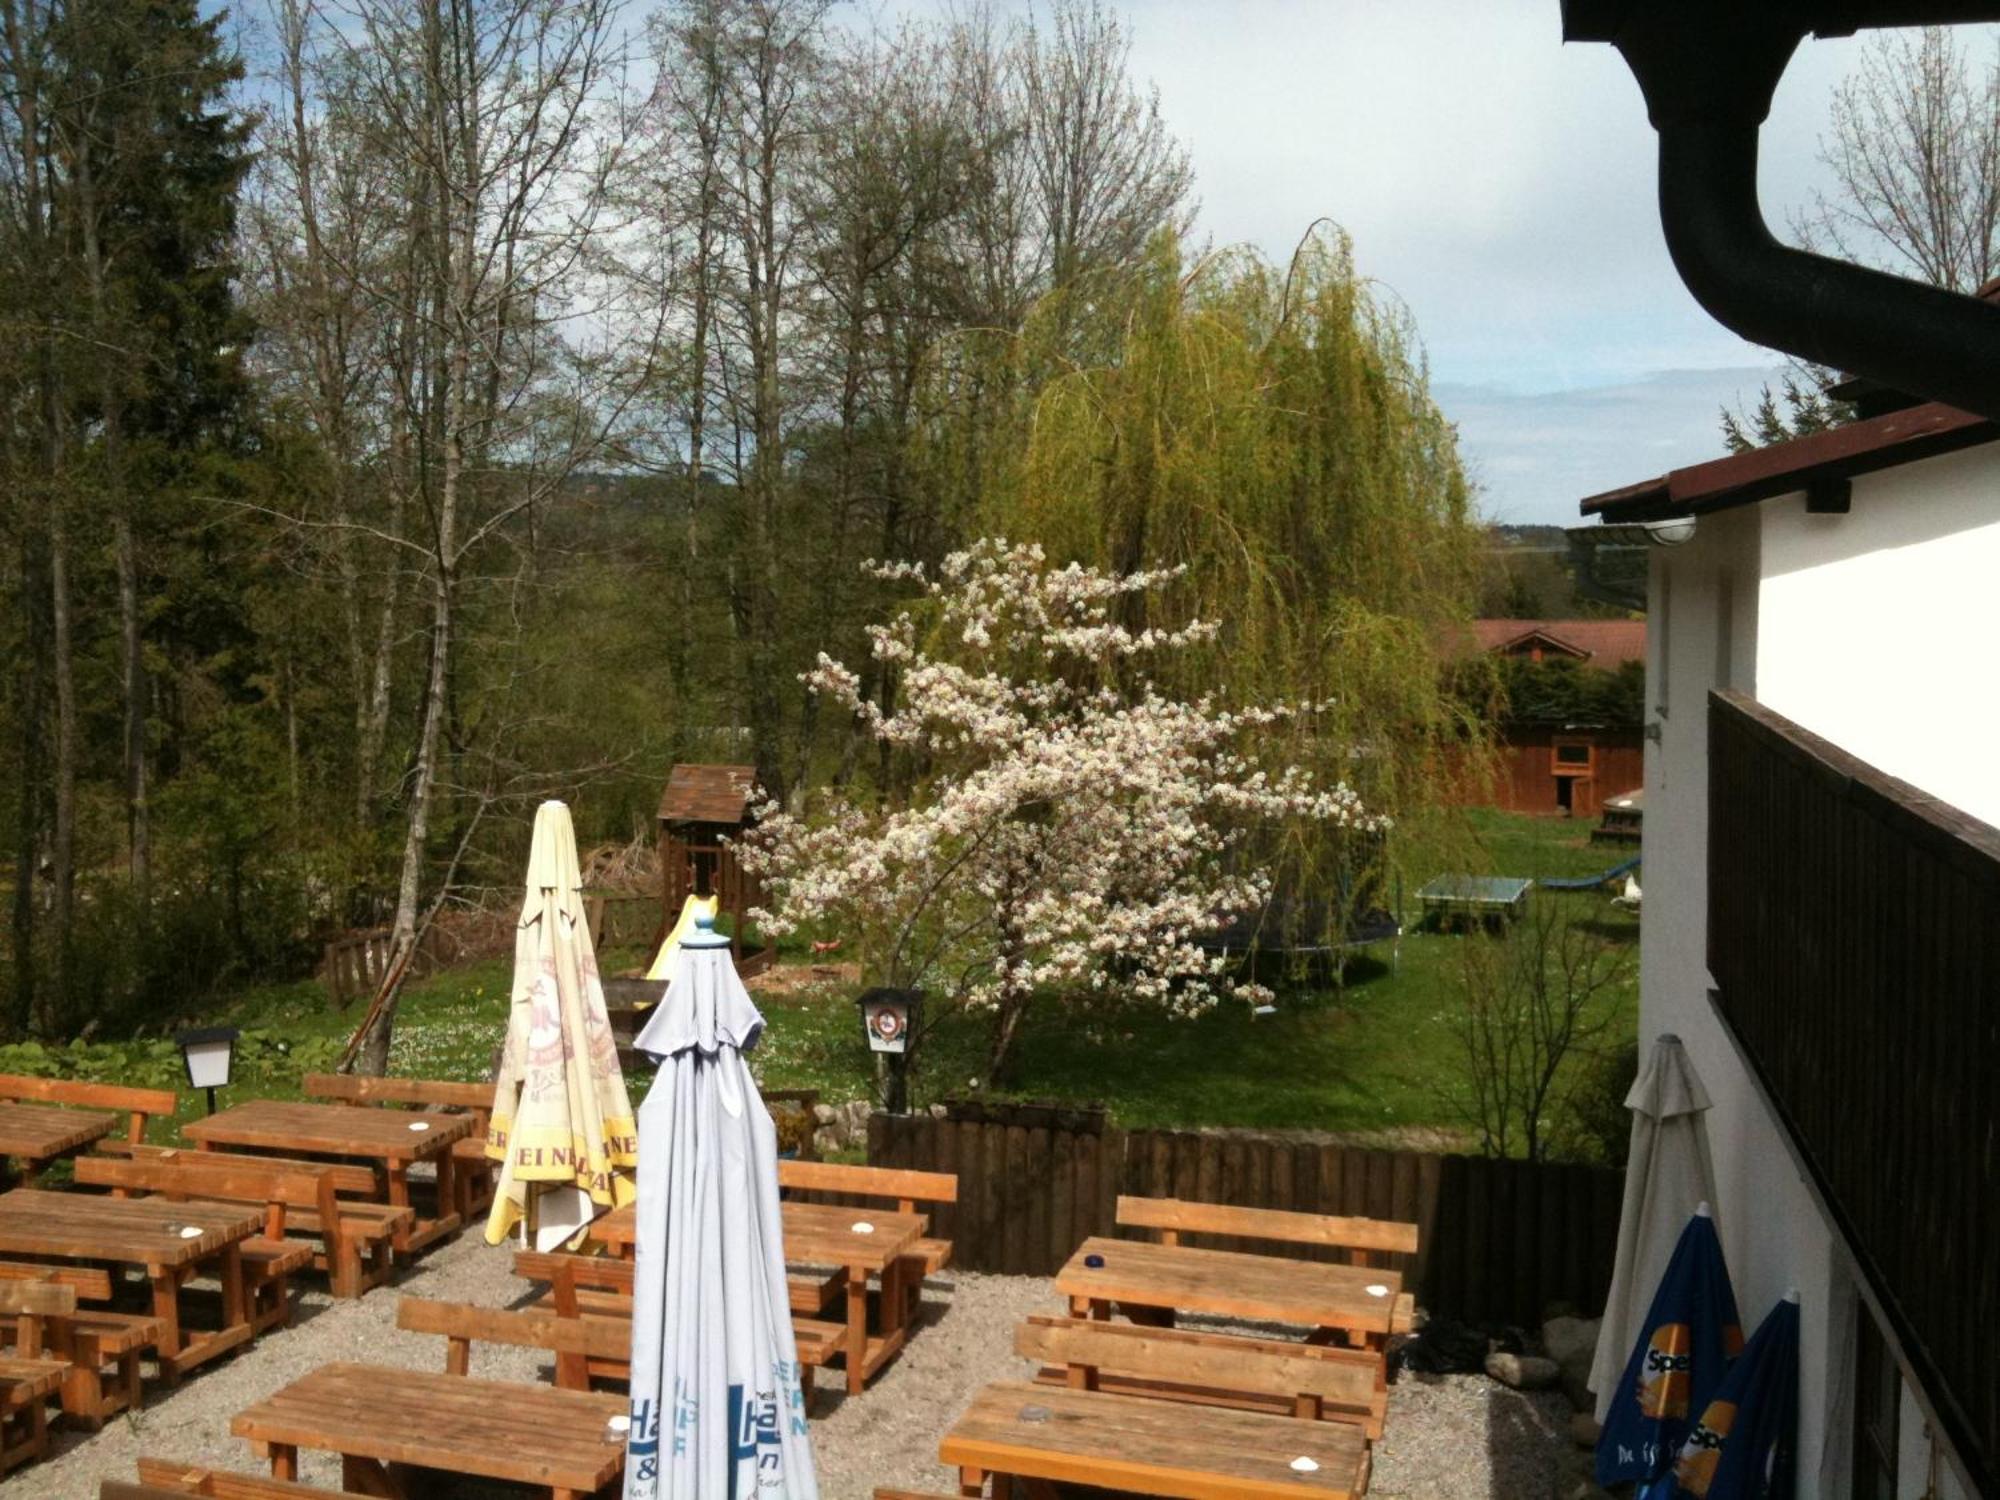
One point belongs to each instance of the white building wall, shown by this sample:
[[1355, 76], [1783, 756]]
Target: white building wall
[[1872, 629], [1877, 628]]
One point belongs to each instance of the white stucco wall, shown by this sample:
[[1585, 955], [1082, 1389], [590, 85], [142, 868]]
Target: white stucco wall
[[1876, 628], [1871, 629]]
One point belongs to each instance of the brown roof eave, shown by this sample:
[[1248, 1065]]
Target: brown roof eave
[[1883, 442]]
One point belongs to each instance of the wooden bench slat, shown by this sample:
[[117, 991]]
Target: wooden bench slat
[[176, 1477], [1223, 1369], [1176, 1216], [868, 1182], [434, 1093], [91, 1283]]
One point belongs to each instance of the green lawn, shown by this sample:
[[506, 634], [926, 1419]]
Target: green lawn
[[1376, 1058]]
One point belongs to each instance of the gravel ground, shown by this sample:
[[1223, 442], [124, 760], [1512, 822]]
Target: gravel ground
[[1452, 1438]]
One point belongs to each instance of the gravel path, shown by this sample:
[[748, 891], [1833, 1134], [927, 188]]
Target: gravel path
[[1456, 1438]]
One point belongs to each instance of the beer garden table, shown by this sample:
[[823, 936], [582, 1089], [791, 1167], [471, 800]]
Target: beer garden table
[[151, 1233], [1140, 1446], [1224, 1283], [39, 1133], [395, 1138], [381, 1420], [823, 1234]]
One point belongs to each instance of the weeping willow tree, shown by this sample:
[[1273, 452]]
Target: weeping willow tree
[[1271, 430]]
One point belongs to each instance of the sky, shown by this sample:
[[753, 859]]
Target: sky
[[1502, 185]]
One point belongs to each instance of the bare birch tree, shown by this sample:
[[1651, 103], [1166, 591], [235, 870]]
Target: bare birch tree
[[1914, 150]]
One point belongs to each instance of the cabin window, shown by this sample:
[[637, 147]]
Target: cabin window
[[1878, 1397], [1572, 756]]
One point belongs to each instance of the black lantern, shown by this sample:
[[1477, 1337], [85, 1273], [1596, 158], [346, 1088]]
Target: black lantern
[[209, 1053], [890, 1018]]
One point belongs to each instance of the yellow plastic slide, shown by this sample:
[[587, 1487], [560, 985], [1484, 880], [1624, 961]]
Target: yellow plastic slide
[[666, 963]]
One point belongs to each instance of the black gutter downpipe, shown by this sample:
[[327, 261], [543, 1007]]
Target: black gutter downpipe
[[1708, 69]]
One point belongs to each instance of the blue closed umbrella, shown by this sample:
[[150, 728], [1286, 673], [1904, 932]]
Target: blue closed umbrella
[[1742, 1447], [1689, 1336]]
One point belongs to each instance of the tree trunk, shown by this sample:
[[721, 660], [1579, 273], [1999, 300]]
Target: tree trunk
[[63, 854], [138, 816], [28, 825]]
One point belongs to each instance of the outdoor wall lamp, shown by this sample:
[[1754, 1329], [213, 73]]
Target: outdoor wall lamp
[[209, 1052], [1671, 532]]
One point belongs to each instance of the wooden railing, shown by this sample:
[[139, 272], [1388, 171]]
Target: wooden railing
[[1500, 1241], [1854, 939]]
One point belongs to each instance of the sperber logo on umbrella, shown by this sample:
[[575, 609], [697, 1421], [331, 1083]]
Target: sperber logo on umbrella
[[1696, 1469], [1665, 1372]]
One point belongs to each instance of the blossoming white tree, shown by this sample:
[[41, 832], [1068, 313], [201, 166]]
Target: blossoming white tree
[[1067, 827]]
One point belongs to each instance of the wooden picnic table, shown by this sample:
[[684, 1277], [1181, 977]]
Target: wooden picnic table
[[395, 1138], [150, 1233], [382, 1421], [37, 1134], [1224, 1283], [1050, 1435], [828, 1234]]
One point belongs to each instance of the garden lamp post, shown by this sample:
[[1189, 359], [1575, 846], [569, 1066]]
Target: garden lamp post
[[210, 1055], [890, 1018]]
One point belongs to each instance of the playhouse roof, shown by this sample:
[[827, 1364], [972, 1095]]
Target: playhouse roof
[[708, 794]]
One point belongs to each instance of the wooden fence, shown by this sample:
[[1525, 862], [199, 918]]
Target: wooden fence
[[1502, 1241]]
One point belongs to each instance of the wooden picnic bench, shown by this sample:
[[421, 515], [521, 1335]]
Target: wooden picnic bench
[[600, 1287], [860, 1242], [42, 1119], [396, 1140], [582, 1346], [171, 1242], [1363, 1242], [1312, 1381], [382, 1421], [32, 1374], [1327, 1299], [175, 1479], [1048, 1435], [101, 1348], [904, 1188], [475, 1172], [236, 1489], [297, 1196]]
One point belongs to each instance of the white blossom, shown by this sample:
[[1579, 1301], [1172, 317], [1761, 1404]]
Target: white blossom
[[1067, 836]]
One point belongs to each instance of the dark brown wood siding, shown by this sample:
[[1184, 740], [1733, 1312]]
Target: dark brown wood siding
[[1854, 938]]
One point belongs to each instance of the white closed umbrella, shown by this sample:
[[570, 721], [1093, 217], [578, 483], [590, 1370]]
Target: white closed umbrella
[[1668, 1177], [718, 1411]]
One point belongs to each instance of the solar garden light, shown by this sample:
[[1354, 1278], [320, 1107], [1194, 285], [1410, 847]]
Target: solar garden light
[[889, 1017], [210, 1054]]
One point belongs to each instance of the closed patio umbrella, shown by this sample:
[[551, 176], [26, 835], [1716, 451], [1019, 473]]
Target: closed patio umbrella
[[718, 1412], [1667, 1172], [562, 1125], [1683, 1349], [1742, 1447]]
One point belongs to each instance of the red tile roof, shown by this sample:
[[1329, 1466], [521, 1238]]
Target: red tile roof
[[1602, 643], [1897, 437]]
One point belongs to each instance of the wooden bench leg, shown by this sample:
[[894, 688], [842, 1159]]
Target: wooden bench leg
[[856, 1342], [167, 1308], [364, 1476], [284, 1460], [971, 1482]]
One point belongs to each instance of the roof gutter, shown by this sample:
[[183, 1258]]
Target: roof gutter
[[1708, 69]]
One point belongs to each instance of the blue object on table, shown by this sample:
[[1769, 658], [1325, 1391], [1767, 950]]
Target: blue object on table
[[1095, 1262]]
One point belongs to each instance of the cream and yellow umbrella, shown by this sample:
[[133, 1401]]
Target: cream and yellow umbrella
[[562, 1125]]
